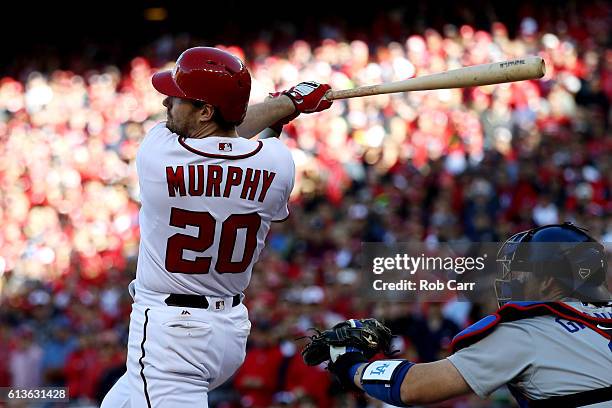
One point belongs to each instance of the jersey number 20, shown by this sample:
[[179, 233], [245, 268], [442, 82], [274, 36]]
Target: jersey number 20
[[206, 234]]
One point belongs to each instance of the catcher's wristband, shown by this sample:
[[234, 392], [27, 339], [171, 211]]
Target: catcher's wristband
[[383, 379], [342, 368]]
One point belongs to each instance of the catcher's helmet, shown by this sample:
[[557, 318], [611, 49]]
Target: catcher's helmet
[[212, 76], [562, 251]]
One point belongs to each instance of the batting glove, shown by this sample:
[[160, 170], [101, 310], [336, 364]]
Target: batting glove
[[307, 97]]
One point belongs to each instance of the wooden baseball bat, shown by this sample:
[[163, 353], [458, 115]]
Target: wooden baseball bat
[[476, 75]]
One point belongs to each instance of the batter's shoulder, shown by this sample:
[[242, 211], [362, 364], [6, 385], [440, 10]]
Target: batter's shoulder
[[159, 130], [277, 149]]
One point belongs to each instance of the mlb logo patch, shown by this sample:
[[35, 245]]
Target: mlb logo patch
[[225, 147]]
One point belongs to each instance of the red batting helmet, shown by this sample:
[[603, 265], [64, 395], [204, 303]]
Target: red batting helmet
[[212, 76]]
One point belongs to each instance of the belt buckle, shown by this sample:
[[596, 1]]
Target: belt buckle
[[218, 304]]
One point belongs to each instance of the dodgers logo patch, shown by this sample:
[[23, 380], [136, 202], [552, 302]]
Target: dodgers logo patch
[[381, 370]]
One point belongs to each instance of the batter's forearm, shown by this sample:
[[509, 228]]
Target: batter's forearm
[[265, 114]]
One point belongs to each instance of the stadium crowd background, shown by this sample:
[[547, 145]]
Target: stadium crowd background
[[472, 165]]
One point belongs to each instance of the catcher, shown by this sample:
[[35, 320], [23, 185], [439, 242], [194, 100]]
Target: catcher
[[549, 354]]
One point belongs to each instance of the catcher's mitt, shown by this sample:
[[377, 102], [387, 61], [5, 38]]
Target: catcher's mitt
[[372, 337]]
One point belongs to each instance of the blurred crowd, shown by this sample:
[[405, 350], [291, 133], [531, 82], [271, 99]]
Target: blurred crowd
[[451, 165]]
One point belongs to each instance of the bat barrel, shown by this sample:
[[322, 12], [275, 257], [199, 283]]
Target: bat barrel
[[485, 74]]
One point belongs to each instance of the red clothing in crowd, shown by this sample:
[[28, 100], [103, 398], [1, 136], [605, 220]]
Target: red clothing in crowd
[[305, 380], [5, 375], [82, 372], [85, 367], [257, 379]]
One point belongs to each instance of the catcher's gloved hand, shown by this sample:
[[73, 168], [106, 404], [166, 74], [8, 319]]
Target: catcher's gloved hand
[[307, 97], [367, 336]]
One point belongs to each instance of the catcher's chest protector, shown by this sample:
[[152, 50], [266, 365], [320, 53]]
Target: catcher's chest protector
[[523, 310]]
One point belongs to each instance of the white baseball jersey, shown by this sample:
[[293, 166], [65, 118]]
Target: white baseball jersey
[[206, 209]]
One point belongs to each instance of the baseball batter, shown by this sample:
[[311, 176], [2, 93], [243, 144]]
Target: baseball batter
[[208, 199], [549, 354]]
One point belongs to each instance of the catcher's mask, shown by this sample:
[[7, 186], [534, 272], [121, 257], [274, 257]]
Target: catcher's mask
[[564, 252]]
